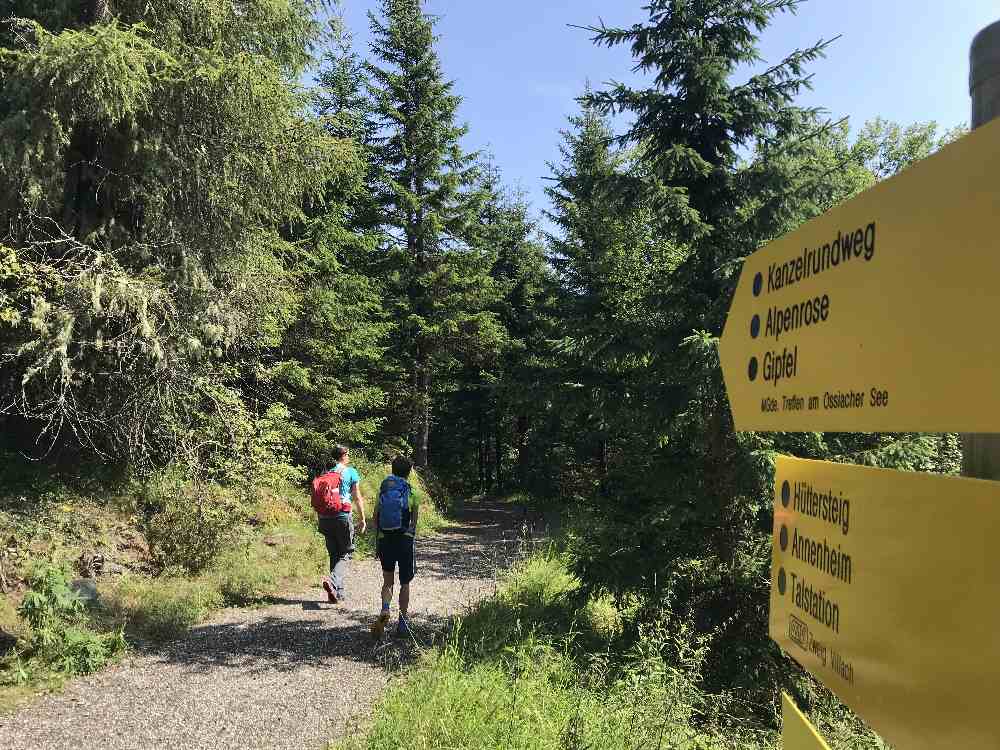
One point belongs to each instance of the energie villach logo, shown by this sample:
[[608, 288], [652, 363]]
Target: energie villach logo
[[798, 632]]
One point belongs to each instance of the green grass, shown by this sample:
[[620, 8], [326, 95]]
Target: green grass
[[542, 666], [166, 606], [532, 702], [531, 669]]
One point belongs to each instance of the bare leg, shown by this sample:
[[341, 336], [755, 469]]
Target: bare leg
[[404, 599], [388, 580], [378, 627]]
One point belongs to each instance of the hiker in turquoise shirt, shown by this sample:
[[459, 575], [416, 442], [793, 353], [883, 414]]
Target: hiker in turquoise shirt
[[338, 529]]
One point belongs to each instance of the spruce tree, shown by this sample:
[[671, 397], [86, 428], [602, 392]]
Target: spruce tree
[[729, 166], [724, 158], [329, 369], [608, 258], [150, 154], [427, 190], [486, 417]]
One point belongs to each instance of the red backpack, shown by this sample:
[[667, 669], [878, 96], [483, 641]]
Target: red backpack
[[326, 498]]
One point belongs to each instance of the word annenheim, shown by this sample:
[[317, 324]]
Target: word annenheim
[[859, 243], [823, 556]]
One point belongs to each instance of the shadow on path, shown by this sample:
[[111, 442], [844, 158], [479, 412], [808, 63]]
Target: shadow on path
[[274, 676]]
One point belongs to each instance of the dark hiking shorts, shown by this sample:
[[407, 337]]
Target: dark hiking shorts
[[397, 549]]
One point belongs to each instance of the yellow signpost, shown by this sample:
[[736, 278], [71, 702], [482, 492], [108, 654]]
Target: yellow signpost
[[886, 587], [796, 732], [875, 316]]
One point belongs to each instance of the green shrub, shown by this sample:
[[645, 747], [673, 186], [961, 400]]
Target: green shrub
[[539, 585], [191, 523], [49, 600], [59, 639], [163, 607], [537, 597], [600, 616], [243, 582], [80, 650], [250, 573], [541, 597]]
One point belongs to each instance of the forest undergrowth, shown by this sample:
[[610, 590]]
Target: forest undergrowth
[[545, 665], [88, 576]]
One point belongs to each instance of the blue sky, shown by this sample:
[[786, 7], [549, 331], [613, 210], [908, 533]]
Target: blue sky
[[518, 64]]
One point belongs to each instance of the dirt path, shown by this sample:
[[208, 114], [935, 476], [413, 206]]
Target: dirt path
[[294, 674]]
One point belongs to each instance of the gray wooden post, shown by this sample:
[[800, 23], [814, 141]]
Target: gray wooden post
[[984, 75], [981, 453]]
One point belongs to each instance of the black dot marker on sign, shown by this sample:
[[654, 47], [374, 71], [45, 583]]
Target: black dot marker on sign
[[781, 582], [784, 538], [786, 493], [752, 370], [755, 326], [758, 284]]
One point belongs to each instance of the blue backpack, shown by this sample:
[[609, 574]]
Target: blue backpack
[[394, 504]]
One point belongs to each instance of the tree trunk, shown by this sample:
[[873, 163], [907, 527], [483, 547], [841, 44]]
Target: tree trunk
[[422, 423], [100, 11], [498, 447], [522, 439], [482, 453]]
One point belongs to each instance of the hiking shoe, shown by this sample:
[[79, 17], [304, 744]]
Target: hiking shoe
[[331, 592], [378, 628], [403, 629]]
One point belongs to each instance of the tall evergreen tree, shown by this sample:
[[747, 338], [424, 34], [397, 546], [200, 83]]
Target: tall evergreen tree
[[729, 166], [328, 371], [485, 421], [427, 190], [149, 154], [692, 128], [607, 257]]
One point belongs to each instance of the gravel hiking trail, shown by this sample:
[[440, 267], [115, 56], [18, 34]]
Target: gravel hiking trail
[[295, 673]]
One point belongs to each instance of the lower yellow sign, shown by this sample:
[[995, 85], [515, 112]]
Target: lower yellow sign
[[796, 731], [886, 587]]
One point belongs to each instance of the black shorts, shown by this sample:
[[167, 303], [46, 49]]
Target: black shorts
[[397, 549]]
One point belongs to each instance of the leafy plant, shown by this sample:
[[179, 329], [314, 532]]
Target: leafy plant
[[191, 523], [59, 638], [49, 600]]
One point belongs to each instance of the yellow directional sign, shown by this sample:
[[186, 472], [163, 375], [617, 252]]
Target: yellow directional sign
[[886, 587], [796, 732], [879, 315]]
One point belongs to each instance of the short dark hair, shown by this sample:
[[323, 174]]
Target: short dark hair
[[401, 466], [339, 452]]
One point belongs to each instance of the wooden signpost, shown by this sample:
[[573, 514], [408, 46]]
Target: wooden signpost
[[871, 317]]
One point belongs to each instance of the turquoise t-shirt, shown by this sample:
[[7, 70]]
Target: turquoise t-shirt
[[348, 478]]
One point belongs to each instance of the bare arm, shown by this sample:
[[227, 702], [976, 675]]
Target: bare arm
[[359, 500], [413, 520]]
